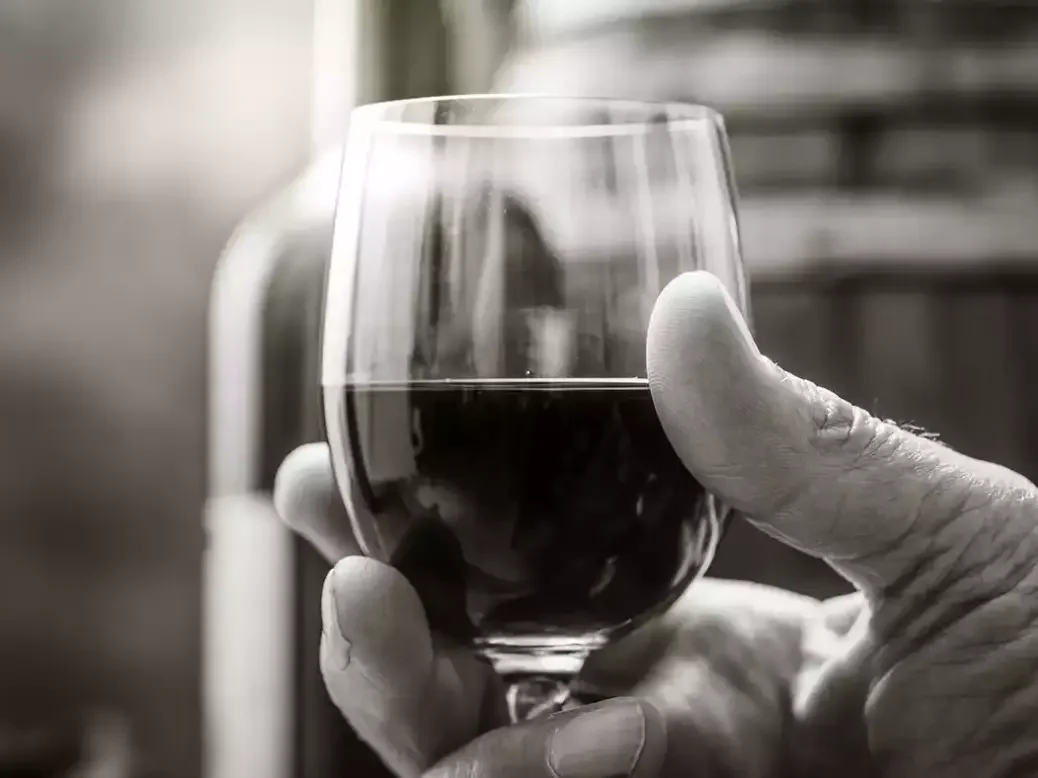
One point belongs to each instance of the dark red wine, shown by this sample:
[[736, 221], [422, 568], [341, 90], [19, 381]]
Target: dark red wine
[[525, 508]]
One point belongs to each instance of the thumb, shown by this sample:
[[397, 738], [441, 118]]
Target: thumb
[[618, 737], [805, 465]]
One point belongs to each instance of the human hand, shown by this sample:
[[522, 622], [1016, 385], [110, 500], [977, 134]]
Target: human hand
[[721, 663], [752, 681], [937, 675], [425, 705]]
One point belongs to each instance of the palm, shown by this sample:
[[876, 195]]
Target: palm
[[951, 693], [724, 666]]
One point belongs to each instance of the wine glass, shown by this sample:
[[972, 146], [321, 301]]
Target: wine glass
[[494, 265]]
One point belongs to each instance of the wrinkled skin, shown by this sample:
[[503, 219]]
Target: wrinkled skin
[[929, 670]]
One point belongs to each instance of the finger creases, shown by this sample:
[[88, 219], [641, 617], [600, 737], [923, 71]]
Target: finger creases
[[802, 463]]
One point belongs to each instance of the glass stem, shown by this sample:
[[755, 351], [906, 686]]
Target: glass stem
[[533, 695]]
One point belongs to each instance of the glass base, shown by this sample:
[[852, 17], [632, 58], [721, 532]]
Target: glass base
[[538, 671], [550, 664], [532, 696]]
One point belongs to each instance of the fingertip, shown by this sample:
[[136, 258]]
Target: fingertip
[[304, 483], [696, 331], [712, 389], [375, 628], [307, 500], [697, 305]]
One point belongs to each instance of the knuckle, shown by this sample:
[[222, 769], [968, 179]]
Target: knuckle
[[839, 427]]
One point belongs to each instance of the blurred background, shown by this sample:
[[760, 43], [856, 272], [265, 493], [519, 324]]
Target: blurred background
[[887, 157]]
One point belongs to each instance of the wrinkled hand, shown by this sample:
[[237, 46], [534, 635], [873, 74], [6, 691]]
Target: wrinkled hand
[[929, 671], [940, 673], [415, 698], [721, 663]]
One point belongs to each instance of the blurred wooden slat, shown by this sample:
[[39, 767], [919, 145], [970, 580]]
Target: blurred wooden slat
[[979, 19], [757, 73], [806, 159], [1023, 342], [788, 234], [793, 234], [549, 18], [895, 351], [975, 381], [946, 156], [791, 327], [988, 112], [953, 156], [752, 73]]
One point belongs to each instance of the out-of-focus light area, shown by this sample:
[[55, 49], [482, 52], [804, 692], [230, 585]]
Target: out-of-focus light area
[[886, 158], [134, 136]]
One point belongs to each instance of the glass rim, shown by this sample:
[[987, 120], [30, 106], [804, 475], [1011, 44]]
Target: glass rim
[[679, 115]]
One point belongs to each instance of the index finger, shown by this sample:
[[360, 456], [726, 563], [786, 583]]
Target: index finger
[[307, 499]]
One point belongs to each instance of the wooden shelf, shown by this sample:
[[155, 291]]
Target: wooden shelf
[[747, 74], [786, 235], [792, 235], [753, 75], [992, 19], [552, 17]]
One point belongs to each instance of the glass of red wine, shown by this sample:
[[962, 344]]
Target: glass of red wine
[[494, 265]]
